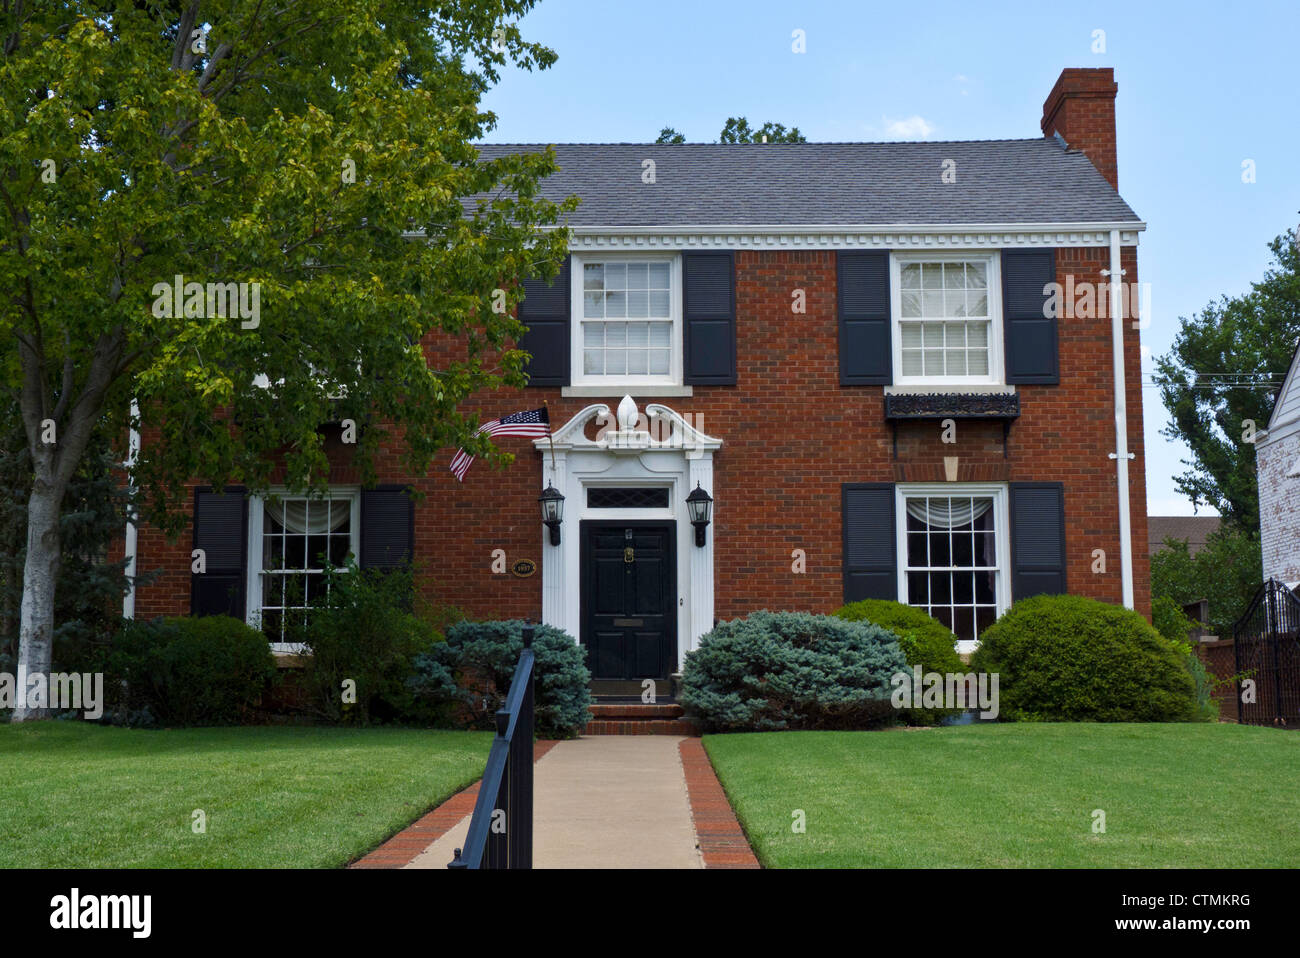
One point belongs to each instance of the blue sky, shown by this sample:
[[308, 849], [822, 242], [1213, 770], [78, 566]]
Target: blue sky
[[1202, 87]]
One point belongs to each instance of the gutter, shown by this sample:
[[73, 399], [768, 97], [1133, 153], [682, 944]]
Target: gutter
[[130, 542], [1121, 455]]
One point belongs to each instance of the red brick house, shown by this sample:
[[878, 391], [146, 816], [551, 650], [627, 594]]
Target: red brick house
[[854, 348]]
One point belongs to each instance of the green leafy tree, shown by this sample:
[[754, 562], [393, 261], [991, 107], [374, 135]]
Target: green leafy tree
[[1210, 383], [1227, 573], [738, 130], [307, 171]]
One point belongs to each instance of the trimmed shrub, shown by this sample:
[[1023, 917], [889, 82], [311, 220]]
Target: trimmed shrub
[[792, 670], [468, 677], [366, 633], [1067, 658], [925, 641], [187, 671]]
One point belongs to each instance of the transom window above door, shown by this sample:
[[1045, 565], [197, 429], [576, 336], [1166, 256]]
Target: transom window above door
[[948, 320], [627, 497], [629, 318]]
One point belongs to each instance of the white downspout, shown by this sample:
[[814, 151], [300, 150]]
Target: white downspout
[[1121, 455], [129, 545]]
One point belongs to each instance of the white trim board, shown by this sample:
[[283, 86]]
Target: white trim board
[[850, 236], [815, 237]]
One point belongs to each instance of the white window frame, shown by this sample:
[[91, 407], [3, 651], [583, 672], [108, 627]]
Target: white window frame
[[256, 523], [616, 383], [997, 374], [1001, 526]]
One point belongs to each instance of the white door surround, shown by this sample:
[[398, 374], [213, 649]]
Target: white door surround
[[666, 451]]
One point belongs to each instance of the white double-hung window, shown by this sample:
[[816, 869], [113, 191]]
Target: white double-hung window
[[947, 319], [291, 540], [954, 555], [628, 312]]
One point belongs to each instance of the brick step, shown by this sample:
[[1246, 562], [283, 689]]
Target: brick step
[[635, 711], [632, 688], [641, 727]]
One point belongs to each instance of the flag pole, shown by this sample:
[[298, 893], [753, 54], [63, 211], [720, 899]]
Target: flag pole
[[550, 433]]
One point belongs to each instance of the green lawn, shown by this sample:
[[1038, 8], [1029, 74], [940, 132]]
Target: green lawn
[[79, 795], [1018, 796]]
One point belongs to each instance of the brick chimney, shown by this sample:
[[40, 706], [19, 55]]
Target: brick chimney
[[1081, 107]]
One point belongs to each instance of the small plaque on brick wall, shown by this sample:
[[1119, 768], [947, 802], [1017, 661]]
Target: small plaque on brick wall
[[523, 568]]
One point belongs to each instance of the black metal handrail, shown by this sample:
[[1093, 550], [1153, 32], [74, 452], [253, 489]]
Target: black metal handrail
[[501, 829]]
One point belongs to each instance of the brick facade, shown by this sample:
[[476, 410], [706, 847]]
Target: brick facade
[[792, 435]]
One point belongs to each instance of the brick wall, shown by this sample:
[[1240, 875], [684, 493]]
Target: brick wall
[[791, 436], [1279, 506]]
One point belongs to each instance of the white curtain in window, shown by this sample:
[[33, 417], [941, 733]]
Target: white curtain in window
[[312, 516], [944, 513]]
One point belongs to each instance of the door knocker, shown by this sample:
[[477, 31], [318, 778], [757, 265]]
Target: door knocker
[[628, 555]]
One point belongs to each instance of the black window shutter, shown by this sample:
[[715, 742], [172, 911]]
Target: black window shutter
[[387, 527], [1037, 538], [709, 318], [545, 311], [866, 354], [870, 544], [221, 531], [1029, 334]]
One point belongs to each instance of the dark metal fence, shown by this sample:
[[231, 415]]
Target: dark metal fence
[[501, 829], [1266, 641]]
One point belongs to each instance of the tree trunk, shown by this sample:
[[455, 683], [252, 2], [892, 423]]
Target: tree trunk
[[52, 467], [41, 571]]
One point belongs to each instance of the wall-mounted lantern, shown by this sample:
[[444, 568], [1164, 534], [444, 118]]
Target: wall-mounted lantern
[[699, 503], [552, 503]]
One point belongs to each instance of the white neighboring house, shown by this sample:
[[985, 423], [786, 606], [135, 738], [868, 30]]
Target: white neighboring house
[[1277, 466]]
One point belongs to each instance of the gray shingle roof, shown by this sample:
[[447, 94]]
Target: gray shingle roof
[[829, 184], [1195, 529]]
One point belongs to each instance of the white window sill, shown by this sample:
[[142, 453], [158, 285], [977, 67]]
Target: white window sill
[[615, 391], [915, 389]]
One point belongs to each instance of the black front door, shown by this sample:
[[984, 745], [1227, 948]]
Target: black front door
[[629, 598]]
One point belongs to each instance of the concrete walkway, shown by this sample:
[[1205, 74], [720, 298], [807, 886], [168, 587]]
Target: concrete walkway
[[608, 801]]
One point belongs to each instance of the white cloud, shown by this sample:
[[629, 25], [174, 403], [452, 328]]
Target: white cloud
[[961, 78], [912, 128]]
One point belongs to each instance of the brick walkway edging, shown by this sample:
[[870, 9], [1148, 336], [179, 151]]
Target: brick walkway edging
[[721, 839], [404, 847]]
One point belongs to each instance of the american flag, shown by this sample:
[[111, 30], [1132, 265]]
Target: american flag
[[534, 423]]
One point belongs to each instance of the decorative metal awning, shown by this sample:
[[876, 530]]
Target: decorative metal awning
[[992, 407], [997, 406]]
